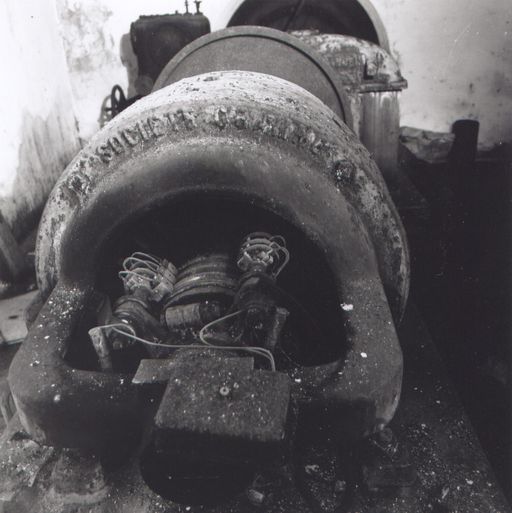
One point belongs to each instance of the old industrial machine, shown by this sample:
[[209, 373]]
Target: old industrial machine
[[223, 271]]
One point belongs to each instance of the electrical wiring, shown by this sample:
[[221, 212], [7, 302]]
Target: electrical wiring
[[261, 249], [141, 270], [131, 334], [138, 274], [147, 256], [202, 332], [137, 260], [111, 326], [261, 351]]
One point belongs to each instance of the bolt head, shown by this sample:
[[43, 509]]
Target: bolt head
[[224, 391]]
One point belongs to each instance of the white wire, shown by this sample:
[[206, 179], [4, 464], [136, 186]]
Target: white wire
[[261, 351], [134, 273], [128, 263], [264, 241], [286, 260], [202, 333], [253, 350], [116, 325], [147, 267], [139, 254], [140, 265]]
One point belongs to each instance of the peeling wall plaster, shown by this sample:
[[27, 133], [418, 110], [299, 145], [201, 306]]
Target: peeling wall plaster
[[92, 51], [40, 162], [38, 132], [96, 41]]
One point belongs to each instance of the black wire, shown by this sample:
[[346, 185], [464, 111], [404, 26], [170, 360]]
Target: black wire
[[298, 305]]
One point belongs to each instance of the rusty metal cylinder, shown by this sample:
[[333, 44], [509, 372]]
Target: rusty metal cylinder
[[194, 315], [205, 276], [248, 137]]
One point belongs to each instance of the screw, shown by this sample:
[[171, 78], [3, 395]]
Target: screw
[[224, 391]]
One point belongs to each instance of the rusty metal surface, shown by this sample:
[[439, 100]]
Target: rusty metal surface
[[157, 39], [61, 405], [260, 50], [21, 461], [210, 274], [217, 112], [361, 65], [217, 409], [252, 137], [379, 130], [373, 82], [452, 474]]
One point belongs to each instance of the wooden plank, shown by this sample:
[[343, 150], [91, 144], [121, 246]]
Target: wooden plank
[[12, 317]]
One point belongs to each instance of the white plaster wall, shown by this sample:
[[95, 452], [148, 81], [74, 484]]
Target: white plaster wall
[[61, 57], [92, 33], [95, 33], [37, 134], [456, 55]]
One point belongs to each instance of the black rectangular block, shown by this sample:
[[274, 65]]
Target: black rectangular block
[[220, 409]]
